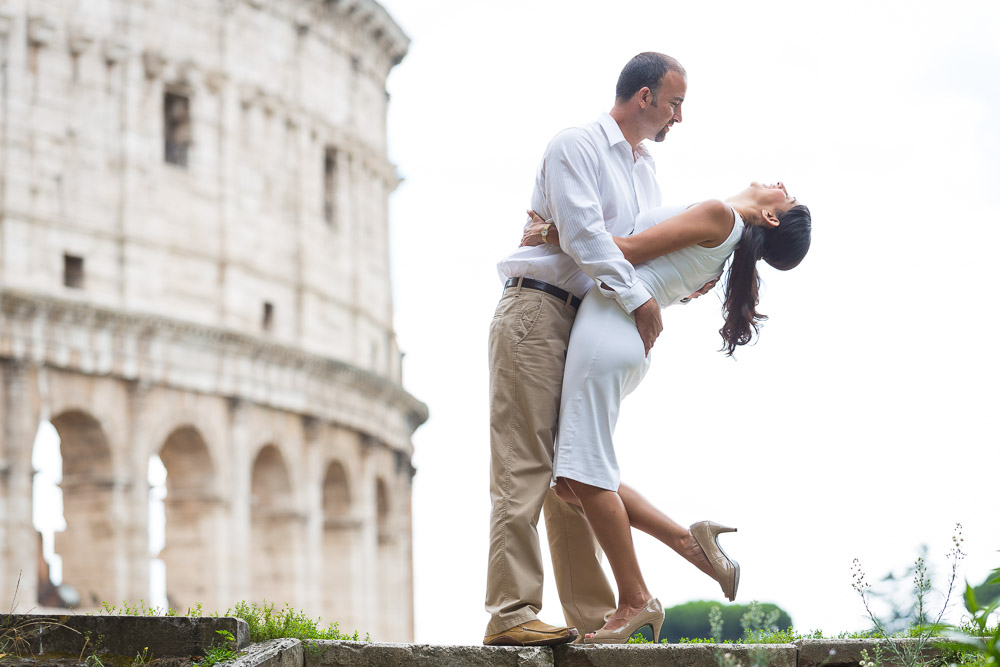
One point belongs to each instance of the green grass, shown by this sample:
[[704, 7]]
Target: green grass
[[268, 623]]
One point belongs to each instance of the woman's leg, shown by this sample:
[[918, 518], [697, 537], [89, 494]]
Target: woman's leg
[[610, 521], [643, 515]]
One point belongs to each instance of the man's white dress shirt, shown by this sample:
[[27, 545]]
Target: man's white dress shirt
[[593, 187]]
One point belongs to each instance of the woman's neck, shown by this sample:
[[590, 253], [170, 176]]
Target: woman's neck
[[748, 211]]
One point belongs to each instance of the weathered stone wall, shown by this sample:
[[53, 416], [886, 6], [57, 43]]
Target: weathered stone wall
[[212, 290], [167, 637]]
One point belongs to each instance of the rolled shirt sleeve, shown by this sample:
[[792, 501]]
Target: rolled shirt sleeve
[[572, 194]]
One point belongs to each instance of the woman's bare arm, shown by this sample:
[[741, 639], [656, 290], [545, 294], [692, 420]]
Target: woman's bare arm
[[709, 223]]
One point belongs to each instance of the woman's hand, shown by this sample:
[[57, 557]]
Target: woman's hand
[[533, 231]]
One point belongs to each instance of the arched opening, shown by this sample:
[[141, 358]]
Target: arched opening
[[85, 546], [156, 476], [189, 510], [274, 529], [339, 547], [47, 516]]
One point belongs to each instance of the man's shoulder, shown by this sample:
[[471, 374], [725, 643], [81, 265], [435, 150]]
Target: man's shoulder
[[576, 139]]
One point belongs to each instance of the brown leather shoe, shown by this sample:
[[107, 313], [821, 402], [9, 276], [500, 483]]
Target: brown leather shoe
[[532, 633]]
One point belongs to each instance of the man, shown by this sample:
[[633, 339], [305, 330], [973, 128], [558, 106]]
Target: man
[[592, 183]]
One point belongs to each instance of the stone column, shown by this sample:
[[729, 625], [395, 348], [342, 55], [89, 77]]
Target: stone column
[[366, 581], [135, 538], [395, 591], [404, 509], [19, 547], [237, 585], [314, 471]]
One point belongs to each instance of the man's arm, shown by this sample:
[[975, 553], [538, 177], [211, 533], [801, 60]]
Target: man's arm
[[571, 172]]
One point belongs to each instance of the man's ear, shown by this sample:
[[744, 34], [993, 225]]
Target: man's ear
[[770, 219], [645, 97]]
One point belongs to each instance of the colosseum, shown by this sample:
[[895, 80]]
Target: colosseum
[[194, 266]]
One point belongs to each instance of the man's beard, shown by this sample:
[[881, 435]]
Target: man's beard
[[662, 134]]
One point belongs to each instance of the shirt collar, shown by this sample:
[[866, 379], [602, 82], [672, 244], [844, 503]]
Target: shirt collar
[[611, 130], [614, 135]]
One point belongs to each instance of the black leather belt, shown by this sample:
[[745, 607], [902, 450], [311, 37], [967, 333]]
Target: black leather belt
[[557, 292]]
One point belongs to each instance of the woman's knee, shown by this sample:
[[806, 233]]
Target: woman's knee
[[564, 492]]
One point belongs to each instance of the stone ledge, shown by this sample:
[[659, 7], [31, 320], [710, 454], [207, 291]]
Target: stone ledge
[[273, 653], [847, 652], [675, 655], [163, 636], [369, 654], [183, 637]]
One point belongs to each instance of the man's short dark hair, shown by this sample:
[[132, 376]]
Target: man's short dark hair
[[645, 70]]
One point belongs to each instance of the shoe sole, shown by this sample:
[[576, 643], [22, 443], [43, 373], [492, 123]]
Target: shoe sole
[[736, 570], [555, 641]]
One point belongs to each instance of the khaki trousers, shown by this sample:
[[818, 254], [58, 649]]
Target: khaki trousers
[[528, 340]]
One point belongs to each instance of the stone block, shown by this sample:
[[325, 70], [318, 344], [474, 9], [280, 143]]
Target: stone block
[[163, 636], [847, 652], [675, 655], [370, 654], [273, 653]]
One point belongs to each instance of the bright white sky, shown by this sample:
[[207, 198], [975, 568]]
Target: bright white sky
[[859, 426]]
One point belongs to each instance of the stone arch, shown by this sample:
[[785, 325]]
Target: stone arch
[[336, 492], [190, 508], [341, 545], [181, 417], [277, 473], [270, 484], [275, 528], [87, 546]]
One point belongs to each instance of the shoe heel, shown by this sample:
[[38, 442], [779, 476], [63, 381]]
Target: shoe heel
[[718, 529], [657, 624]]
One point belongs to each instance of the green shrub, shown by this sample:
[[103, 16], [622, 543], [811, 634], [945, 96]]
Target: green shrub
[[691, 621], [267, 623]]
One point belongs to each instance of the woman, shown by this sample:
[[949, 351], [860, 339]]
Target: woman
[[606, 360]]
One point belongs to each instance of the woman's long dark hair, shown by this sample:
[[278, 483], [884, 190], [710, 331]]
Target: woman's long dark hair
[[783, 247]]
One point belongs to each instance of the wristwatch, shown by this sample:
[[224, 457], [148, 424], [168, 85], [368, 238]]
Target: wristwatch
[[545, 232]]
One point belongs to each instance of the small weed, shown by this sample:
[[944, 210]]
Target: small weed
[[715, 621], [756, 622], [16, 627], [975, 641], [217, 654], [221, 651], [93, 661], [127, 609], [142, 658], [726, 659], [922, 629]]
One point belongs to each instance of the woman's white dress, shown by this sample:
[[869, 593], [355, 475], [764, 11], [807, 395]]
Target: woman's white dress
[[606, 361]]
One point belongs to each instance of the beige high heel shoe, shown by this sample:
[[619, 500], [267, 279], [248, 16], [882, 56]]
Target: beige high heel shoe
[[727, 571], [651, 615]]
